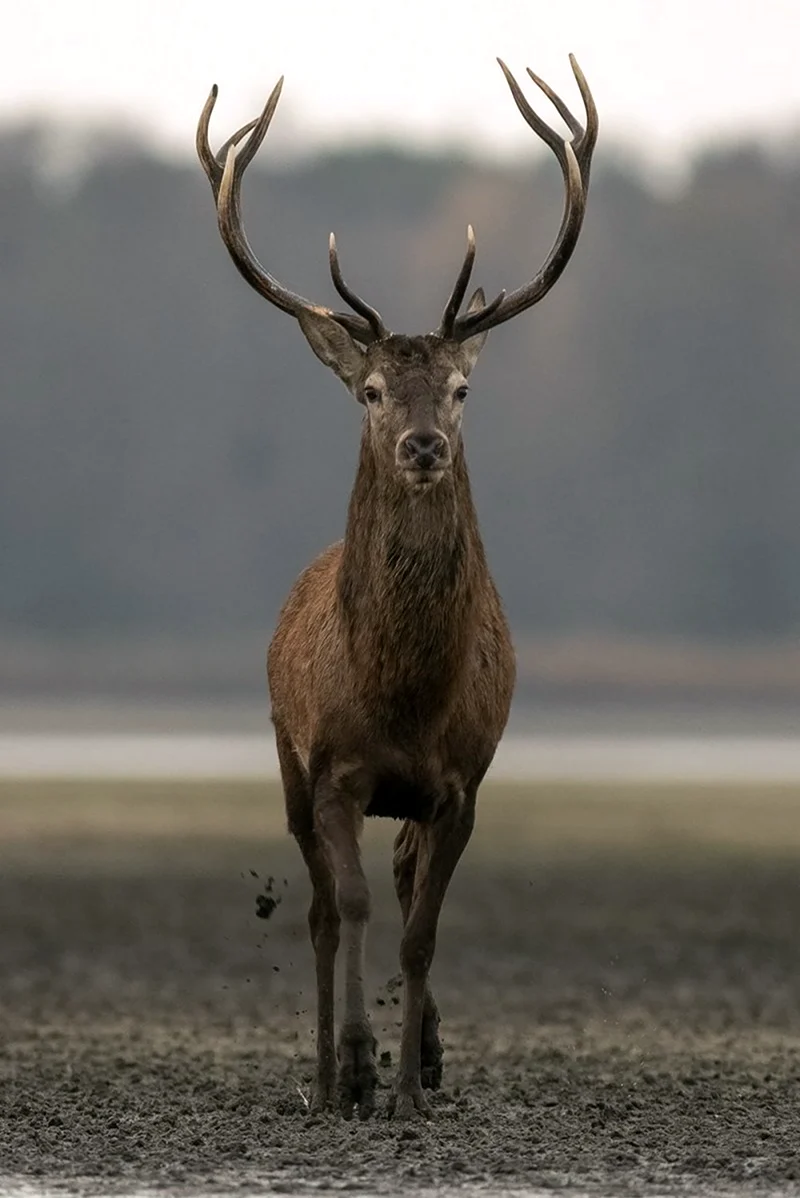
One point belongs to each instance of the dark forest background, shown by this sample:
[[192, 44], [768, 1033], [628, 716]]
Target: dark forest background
[[171, 454]]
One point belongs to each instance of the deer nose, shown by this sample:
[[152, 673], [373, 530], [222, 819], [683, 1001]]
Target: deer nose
[[425, 450]]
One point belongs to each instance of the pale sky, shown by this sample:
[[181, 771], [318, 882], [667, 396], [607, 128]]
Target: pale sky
[[666, 74]]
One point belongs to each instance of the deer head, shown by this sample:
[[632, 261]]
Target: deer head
[[413, 388]]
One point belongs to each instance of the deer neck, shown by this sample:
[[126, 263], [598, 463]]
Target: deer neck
[[408, 583]]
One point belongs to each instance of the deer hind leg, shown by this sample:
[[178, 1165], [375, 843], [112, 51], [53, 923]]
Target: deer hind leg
[[440, 845], [323, 917], [405, 860], [338, 819]]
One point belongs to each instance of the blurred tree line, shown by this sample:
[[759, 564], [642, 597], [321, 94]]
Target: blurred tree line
[[172, 454]]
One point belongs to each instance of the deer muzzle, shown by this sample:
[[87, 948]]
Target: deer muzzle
[[423, 453]]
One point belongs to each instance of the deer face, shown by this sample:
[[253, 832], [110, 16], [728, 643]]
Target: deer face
[[413, 389]]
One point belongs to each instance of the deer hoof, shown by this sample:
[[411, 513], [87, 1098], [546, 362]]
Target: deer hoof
[[321, 1101], [358, 1073], [408, 1102], [324, 1092]]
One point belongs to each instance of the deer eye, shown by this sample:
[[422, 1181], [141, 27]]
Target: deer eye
[[462, 392], [372, 394]]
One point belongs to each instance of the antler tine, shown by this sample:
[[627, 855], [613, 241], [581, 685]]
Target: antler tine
[[371, 315], [225, 183], [260, 127], [583, 140], [446, 328], [487, 310], [213, 164], [460, 288], [585, 149], [540, 127], [575, 162], [207, 159], [575, 127]]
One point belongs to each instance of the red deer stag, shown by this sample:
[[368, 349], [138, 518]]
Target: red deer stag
[[391, 669]]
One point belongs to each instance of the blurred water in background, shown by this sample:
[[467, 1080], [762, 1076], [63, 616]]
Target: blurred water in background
[[585, 744]]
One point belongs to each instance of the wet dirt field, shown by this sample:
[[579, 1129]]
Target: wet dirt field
[[618, 972]]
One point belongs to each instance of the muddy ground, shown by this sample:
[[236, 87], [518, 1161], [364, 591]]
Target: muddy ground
[[618, 973]]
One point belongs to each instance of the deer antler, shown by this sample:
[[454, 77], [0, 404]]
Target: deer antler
[[575, 159], [225, 170]]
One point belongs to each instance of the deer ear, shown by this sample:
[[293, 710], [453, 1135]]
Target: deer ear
[[333, 345], [473, 345]]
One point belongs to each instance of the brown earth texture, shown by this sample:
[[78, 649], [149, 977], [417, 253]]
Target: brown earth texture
[[618, 972]]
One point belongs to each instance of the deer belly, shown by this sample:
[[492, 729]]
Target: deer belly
[[396, 797]]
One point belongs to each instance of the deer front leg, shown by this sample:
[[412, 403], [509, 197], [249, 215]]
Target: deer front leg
[[323, 917], [338, 819], [406, 857], [442, 842], [323, 922]]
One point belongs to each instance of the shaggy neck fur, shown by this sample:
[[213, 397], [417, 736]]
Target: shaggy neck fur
[[412, 568]]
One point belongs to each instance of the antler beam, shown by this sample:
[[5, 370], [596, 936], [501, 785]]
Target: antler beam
[[225, 170], [574, 158]]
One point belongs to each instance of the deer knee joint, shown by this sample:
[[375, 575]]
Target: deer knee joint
[[353, 900], [323, 923]]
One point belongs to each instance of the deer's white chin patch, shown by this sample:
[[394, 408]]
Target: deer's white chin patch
[[422, 480]]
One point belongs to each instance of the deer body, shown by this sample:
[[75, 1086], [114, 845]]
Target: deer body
[[393, 652], [391, 669]]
